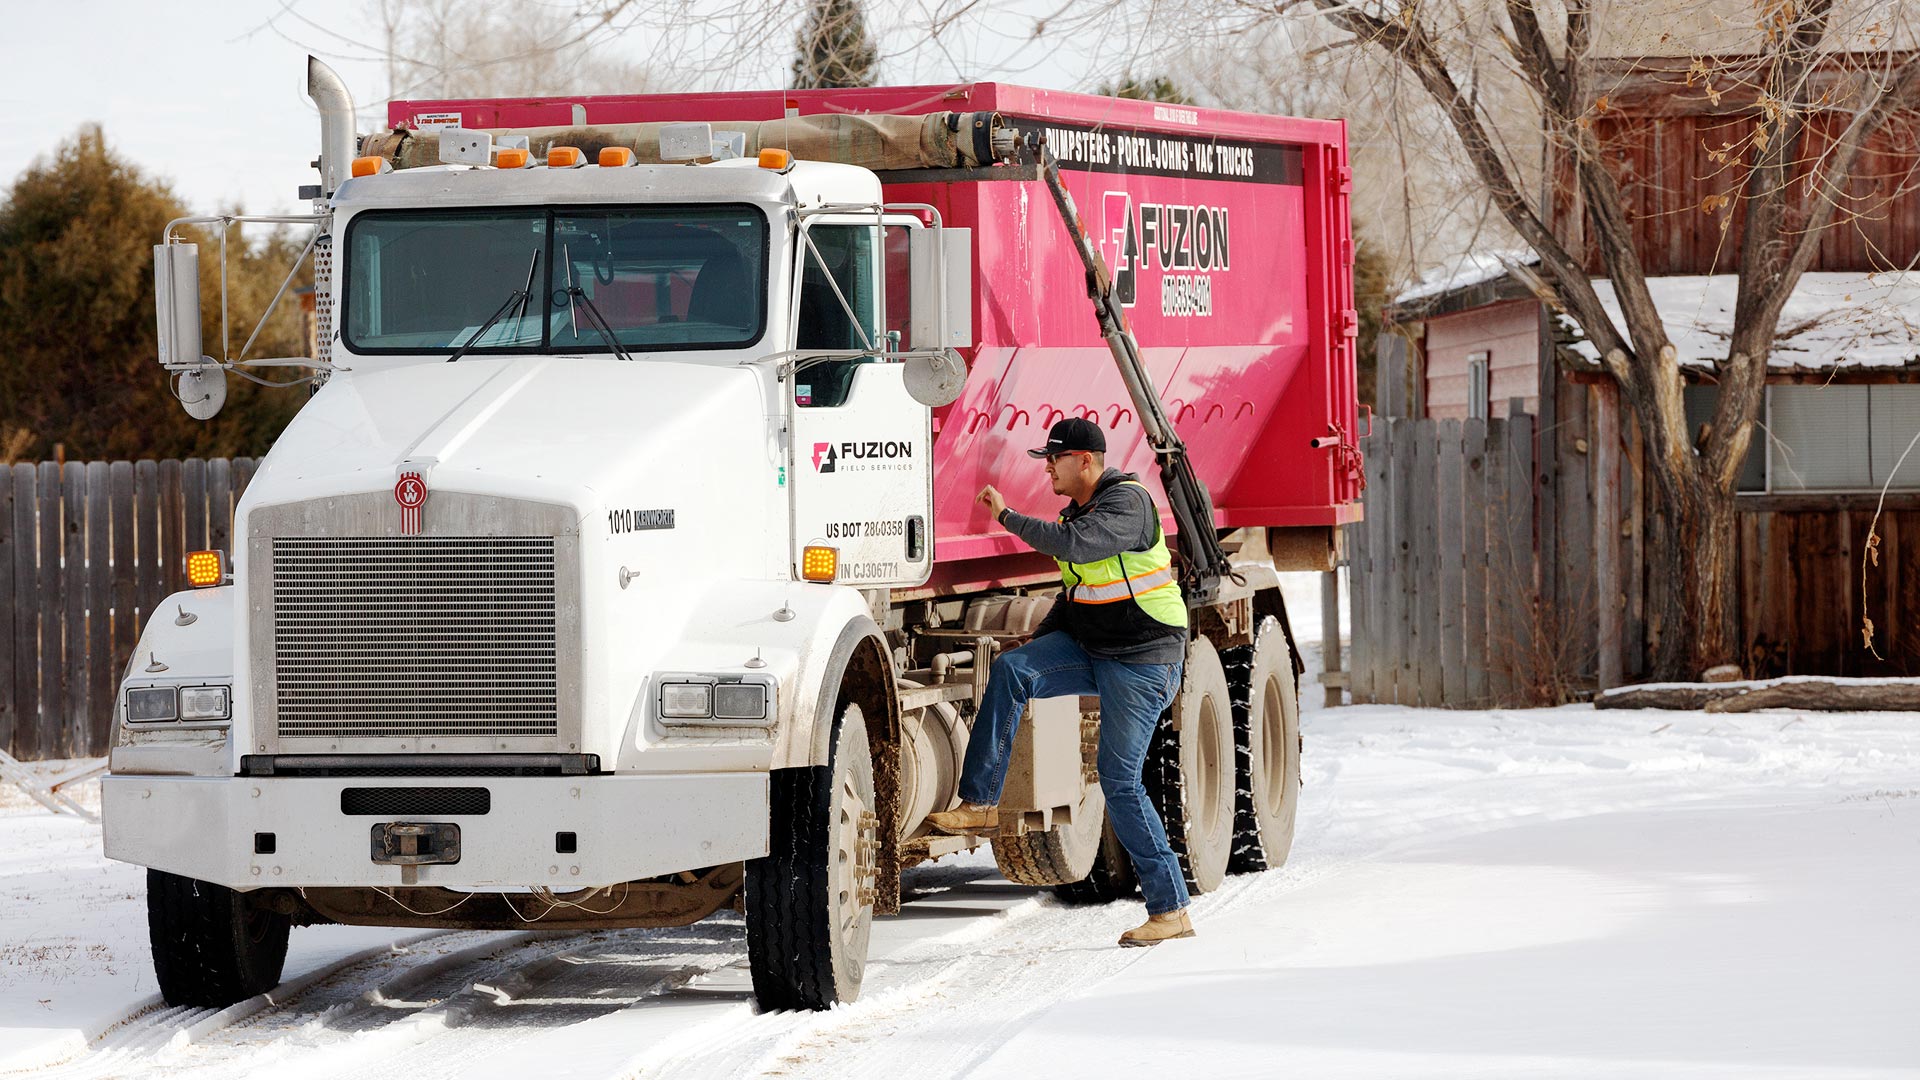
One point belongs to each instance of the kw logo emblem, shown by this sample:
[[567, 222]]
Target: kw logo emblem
[[410, 493], [824, 457]]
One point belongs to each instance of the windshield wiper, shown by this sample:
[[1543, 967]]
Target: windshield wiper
[[520, 297], [599, 322]]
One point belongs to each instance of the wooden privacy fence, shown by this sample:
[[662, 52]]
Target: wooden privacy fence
[[87, 551], [1443, 582]]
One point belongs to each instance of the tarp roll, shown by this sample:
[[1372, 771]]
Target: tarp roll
[[945, 140]]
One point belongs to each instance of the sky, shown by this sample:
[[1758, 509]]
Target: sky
[[208, 94]]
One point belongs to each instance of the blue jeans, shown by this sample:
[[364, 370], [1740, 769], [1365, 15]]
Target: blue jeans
[[1132, 697]]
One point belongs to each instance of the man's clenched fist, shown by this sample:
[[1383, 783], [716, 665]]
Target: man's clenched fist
[[989, 497]]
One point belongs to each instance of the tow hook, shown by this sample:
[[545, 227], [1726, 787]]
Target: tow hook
[[411, 846]]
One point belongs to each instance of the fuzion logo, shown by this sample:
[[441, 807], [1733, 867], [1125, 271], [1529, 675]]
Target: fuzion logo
[[826, 456], [1170, 237]]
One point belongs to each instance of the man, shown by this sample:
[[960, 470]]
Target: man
[[1119, 630]]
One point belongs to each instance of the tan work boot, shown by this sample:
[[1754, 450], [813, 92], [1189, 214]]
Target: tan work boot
[[1159, 928], [967, 819]]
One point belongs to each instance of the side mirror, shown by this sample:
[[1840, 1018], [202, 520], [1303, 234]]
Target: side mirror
[[201, 386], [940, 262], [176, 302], [935, 379]]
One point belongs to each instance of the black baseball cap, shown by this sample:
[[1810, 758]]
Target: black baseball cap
[[1073, 433]]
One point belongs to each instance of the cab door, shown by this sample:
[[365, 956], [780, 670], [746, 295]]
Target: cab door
[[862, 469]]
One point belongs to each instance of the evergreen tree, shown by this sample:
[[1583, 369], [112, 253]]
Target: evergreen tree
[[834, 48], [1146, 88], [78, 364]]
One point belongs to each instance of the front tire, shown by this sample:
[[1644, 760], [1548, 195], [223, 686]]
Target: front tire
[[810, 900], [212, 946]]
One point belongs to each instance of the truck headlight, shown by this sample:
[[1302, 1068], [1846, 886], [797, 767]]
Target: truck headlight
[[740, 701], [686, 701], [716, 700], [205, 703], [152, 704]]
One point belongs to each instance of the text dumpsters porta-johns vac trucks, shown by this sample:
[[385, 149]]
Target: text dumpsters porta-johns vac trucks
[[624, 564]]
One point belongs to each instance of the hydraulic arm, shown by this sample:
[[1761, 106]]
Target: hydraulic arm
[[1202, 562]]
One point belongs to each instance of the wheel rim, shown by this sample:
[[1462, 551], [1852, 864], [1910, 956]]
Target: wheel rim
[[1211, 757], [855, 861], [1274, 749]]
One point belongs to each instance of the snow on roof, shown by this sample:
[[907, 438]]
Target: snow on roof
[[1470, 269], [1837, 319]]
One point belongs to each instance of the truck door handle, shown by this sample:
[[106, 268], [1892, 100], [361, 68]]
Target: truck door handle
[[916, 538]]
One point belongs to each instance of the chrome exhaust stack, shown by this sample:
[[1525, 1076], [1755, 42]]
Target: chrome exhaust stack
[[337, 140]]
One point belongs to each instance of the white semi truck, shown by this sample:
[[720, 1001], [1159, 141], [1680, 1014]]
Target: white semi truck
[[620, 568]]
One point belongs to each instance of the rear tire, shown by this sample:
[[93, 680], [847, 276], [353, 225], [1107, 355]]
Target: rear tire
[[1066, 852], [1267, 738], [1110, 879], [212, 946], [809, 902], [1189, 771]]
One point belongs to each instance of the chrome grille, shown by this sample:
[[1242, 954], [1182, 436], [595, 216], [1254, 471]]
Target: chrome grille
[[415, 637]]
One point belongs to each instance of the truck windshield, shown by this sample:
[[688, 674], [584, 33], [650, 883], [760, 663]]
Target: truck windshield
[[664, 277]]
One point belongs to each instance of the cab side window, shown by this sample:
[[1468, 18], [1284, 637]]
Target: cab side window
[[851, 255]]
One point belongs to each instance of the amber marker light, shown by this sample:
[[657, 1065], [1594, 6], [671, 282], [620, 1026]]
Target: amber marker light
[[206, 568], [777, 160], [615, 157], [565, 157], [819, 563], [514, 158], [367, 166]]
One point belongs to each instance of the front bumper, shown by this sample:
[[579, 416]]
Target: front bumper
[[624, 828]]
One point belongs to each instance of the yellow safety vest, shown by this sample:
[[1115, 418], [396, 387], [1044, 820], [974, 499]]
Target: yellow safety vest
[[1143, 577]]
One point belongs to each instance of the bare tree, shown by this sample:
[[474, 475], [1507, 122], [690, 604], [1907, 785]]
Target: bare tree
[[1797, 65], [1416, 194], [453, 48]]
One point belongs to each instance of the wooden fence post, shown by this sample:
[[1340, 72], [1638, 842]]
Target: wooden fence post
[[1380, 556], [146, 530], [45, 732], [9, 551], [1610, 616], [25, 687], [1426, 586], [1500, 563], [1474, 583], [1330, 638], [173, 529], [126, 571], [1359, 651], [1451, 551], [101, 670], [1522, 612], [1400, 582], [76, 689]]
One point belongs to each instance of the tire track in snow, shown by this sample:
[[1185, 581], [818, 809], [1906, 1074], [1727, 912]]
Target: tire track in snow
[[153, 1025], [987, 978], [160, 1039], [585, 977]]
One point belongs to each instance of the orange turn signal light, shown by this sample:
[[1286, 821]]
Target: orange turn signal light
[[206, 568], [615, 157], [777, 160], [819, 563], [514, 158], [367, 166], [565, 157]]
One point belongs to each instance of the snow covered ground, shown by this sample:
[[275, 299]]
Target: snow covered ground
[[1522, 893]]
